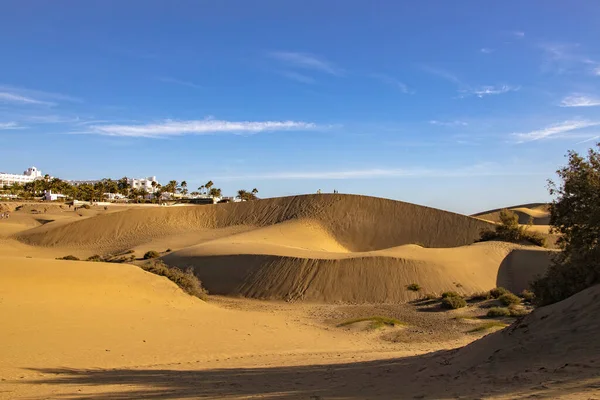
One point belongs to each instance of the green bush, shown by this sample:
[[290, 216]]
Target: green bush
[[186, 280], [498, 312], [151, 254], [69, 257], [450, 294], [499, 291], [453, 302], [528, 295], [415, 287], [480, 296], [508, 299], [509, 230]]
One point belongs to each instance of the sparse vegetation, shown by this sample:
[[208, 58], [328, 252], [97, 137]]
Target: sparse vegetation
[[151, 254], [186, 280], [453, 302], [509, 230], [376, 322], [69, 257], [480, 296], [495, 312], [488, 325], [575, 215], [517, 312], [508, 298], [415, 287], [499, 291], [95, 258], [429, 296], [528, 296], [450, 294]]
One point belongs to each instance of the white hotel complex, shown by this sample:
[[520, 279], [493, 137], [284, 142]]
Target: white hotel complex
[[30, 175]]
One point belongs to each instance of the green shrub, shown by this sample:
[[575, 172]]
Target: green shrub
[[509, 230], [450, 294], [186, 280], [528, 295], [415, 287], [498, 312], [499, 291], [453, 302], [95, 258], [69, 257], [151, 254], [480, 296], [508, 299]]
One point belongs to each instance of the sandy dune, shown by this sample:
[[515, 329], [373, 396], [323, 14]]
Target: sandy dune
[[536, 212]]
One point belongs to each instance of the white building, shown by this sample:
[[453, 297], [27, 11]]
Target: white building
[[144, 183], [30, 175], [49, 196]]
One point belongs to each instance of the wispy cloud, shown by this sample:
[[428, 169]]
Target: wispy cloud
[[486, 169], [298, 77], [10, 125], [578, 100], [483, 91], [197, 127], [597, 71], [448, 123], [589, 140], [391, 81], [306, 61], [518, 34], [443, 74], [561, 58], [486, 50], [6, 97], [168, 79], [554, 130], [18, 95]]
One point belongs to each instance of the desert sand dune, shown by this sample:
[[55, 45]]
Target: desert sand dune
[[358, 223], [536, 212]]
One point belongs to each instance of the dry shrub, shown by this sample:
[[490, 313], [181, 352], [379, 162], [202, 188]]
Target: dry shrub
[[528, 295], [151, 254], [415, 287], [509, 230], [450, 294], [499, 291], [453, 302], [69, 257], [508, 299], [186, 280], [495, 312]]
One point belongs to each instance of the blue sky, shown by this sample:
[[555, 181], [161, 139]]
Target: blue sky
[[464, 105]]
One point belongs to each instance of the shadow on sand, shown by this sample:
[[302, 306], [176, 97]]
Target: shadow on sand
[[430, 376]]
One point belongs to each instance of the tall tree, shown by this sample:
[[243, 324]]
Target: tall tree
[[575, 215], [208, 185], [184, 190]]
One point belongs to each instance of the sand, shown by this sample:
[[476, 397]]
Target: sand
[[91, 330], [537, 213]]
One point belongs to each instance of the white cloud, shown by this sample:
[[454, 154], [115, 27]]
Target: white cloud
[[519, 34], [9, 125], [168, 79], [483, 91], [448, 123], [589, 139], [597, 71], [298, 77], [443, 74], [487, 169], [554, 130], [197, 127], [388, 80], [7, 97], [485, 50], [577, 100], [306, 61], [562, 58]]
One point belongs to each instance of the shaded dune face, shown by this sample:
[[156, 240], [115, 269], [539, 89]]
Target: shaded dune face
[[313, 247], [537, 213]]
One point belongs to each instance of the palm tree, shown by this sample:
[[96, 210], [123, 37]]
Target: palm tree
[[201, 189], [171, 187], [242, 194], [215, 192], [254, 192], [184, 190], [208, 185]]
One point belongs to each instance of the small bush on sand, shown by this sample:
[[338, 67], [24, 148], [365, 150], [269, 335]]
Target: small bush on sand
[[508, 299], [528, 295], [151, 254], [450, 294], [168, 250], [186, 280], [95, 258], [517, 311], [69, 257], [495, 312], [480, 296], [453, 302], [509, 230], [376, 322], [429, 296], [497, 292], [415, 287], [488, 325]]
